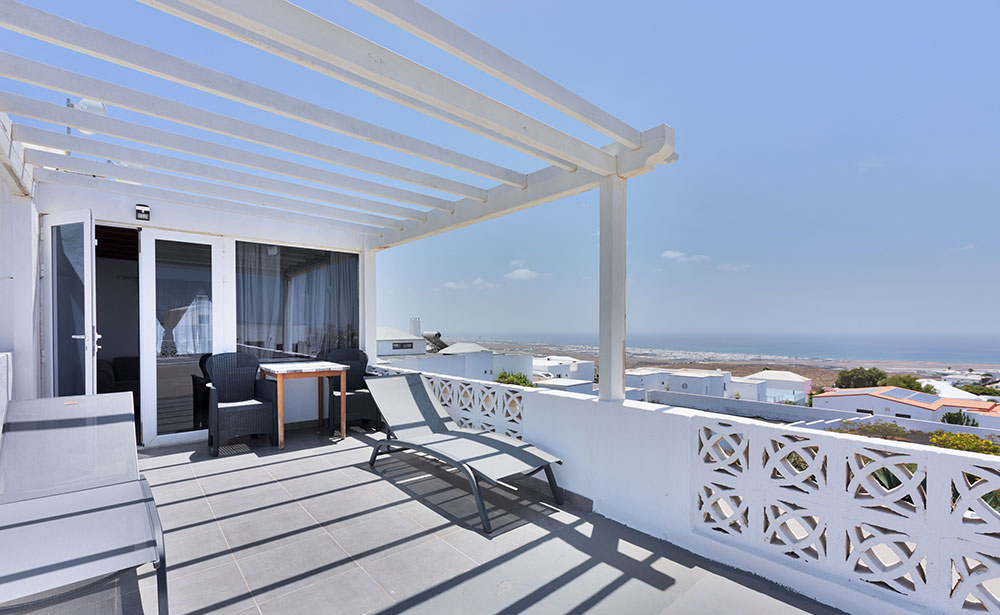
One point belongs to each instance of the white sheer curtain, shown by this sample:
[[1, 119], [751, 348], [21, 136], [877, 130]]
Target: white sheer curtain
[[295, 302], [259, 313]]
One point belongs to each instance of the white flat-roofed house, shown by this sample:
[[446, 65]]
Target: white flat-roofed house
[[784, 386], [716, 383], [751, 389], [463, 359], [904, 403], [962, 378], [563, 367], [569, 385], [395, 342]]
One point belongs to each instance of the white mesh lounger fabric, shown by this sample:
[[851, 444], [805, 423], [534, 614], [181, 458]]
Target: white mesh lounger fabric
[[417, 421]]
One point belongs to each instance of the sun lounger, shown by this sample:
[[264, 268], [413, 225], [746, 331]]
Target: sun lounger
[[73, 507], [419, 422]]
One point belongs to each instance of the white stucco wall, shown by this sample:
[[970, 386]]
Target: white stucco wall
[[637, 469], [385, 348], [512, 363], [19, 290], [749, 391]]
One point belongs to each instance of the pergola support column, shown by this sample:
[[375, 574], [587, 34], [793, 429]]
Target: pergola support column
[[367, 281], [612, 327]]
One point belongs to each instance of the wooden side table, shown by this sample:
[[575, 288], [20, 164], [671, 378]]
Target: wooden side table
[[307, 369]]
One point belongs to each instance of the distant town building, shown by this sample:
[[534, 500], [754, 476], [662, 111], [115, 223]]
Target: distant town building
[[393, 342], [946, 389], [717, 383], [398, 348], [784, 387], [904, 403]]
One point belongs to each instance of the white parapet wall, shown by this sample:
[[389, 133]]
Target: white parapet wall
[[805, 416], [865, 525]]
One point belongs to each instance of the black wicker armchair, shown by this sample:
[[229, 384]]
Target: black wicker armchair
[[360, 404], [239, 403]]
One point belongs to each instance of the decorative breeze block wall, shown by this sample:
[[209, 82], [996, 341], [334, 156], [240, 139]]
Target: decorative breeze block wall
[[897, 520]]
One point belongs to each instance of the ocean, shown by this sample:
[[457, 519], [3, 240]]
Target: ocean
[[940, 348]]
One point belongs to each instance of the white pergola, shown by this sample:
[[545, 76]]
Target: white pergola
[[393, 215]]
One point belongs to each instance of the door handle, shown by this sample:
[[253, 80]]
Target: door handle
[[79, 337]]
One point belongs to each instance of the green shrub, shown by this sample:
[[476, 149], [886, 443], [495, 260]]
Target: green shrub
[[906, 381], [978, 389], [859, 378], [518, 379], [959, 418]]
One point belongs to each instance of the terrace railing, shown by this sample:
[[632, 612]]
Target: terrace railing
[[901, 519], [475, 404], [885, 526]]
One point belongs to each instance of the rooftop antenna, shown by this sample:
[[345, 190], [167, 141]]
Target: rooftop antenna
[[90, 106]]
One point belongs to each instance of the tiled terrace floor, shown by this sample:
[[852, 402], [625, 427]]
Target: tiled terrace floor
[[311, 529]]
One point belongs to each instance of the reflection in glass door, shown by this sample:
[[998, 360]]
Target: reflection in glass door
[[183, 334]]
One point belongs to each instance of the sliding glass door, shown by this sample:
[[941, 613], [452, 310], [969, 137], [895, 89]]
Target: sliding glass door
[[180, 279]]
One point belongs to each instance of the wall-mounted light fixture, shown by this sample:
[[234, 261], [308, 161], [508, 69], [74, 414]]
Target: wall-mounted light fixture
[[141, 212]]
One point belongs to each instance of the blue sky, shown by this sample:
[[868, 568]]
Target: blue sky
[[837, 168], [837, 173]]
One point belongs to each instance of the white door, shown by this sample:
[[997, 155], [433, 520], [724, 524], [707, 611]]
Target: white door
[[70, 328], [180, 291]]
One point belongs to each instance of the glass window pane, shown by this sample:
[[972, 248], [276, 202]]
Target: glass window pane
[[295, 303], [68, 315], [183, 334]]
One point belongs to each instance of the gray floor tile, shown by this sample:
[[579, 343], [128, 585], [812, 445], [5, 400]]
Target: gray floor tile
[[292, 566], [483, 548], [346, 508], [381, 537], [319, 483], [262, 531], [216, 590], [176, 492], [714, 594], [248, 498], [195, 515], [189, 553], [350, 593], [418, 569]]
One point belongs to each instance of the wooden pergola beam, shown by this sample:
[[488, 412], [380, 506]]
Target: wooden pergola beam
[[110, 151], [184, 184], [53, 78], [61, 115], [444, 34], [314, 36], [149, 193], [211, 22], [44, 26]]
